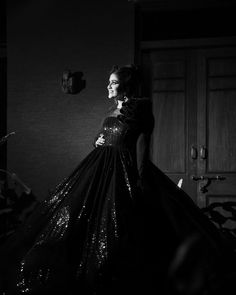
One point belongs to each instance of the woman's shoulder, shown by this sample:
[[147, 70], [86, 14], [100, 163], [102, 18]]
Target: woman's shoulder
[[141, 105], [139, 110], [138, 103], [144, 112], [140, 100]]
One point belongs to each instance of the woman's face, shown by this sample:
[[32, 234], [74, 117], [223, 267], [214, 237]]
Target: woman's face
[[113, 86]]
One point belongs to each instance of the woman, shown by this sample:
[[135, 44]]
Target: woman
[[116, 223]]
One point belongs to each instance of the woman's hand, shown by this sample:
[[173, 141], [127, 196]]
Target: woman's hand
[[100, 141]]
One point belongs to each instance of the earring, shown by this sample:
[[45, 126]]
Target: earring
[[125, 98]]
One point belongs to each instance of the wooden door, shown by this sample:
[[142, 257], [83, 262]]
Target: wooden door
[[194, 105], [216, 126]]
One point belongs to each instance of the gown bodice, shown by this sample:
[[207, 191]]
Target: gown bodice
[[123, 130], [118, 134]]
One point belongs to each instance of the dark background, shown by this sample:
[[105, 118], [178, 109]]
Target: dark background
[[42, 38]]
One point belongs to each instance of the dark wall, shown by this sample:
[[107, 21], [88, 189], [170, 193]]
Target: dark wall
[[54, 131]]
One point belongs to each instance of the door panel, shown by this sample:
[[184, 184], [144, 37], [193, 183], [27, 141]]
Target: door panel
[[173, 142], [221, 131], [168, 149]]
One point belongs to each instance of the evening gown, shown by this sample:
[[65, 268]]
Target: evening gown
[[113, 227]]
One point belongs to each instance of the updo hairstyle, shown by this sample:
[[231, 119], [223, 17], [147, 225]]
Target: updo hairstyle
[[128, 76]]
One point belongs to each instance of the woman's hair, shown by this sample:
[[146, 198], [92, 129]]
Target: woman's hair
[[128, 76]]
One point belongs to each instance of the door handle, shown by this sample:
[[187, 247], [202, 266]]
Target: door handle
[[193, 152], [203, 152]]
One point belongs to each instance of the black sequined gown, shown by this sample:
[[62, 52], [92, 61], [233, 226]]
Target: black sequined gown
[[102, 230]]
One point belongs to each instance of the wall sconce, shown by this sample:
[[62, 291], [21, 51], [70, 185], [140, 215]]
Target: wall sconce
[[72, 83]]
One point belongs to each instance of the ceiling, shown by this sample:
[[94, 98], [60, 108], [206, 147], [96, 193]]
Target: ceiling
[[183, 4]]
